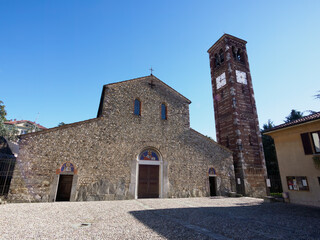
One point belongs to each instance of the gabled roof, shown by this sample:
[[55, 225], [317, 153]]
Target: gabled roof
[[24, 121], [47, 130], [151, 78], [309, 118], [210, 139]]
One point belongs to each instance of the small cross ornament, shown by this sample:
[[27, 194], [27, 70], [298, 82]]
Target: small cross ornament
[[151, 84]]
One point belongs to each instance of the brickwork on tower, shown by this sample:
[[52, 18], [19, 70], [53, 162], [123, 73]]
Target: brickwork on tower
[[236, 118]]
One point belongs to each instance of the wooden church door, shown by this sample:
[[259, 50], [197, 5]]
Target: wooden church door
[[148, 186], [64, 188]]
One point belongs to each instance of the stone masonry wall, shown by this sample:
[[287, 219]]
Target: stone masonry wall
[[104, 150]]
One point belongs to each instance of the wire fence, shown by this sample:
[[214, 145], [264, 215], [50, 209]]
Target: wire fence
[[7, 164]]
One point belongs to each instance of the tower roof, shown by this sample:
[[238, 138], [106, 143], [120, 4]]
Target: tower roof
[[226, 36]]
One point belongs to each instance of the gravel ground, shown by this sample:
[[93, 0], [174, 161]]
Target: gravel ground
[[184, 218]]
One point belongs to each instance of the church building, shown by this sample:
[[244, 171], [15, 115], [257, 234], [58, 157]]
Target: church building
[[140, 145]]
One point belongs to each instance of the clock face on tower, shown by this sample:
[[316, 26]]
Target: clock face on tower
[[221, 80], [241, 77]]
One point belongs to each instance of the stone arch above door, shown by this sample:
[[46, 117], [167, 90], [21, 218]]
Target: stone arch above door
[[149, 153], [67, 168], [212, 171]]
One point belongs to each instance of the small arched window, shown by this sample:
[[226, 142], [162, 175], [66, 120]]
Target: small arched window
[[234, 52], [221, 55], [239, 57], [216, 60], [137, 107], [163, 111], [250, 140], [243, 89]]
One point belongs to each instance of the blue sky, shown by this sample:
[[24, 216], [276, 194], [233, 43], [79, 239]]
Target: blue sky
[[55, 56]]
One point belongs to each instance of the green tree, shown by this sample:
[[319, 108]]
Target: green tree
[[3, 112], [267, 126], [271, 158], [294, 115], [3, 129], [9, 133], [61, 124], [33, 128]]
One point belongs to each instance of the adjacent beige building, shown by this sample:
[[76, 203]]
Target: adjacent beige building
[[298, 151]]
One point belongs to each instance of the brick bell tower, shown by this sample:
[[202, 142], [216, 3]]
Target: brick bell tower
[[236, 118]]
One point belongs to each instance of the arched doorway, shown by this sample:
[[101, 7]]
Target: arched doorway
[[65, 182], [149, 174]]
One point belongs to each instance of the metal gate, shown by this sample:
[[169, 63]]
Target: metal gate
[[276, 186], [7, 164]]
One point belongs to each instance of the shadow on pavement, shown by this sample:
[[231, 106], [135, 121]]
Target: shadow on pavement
[[265, 221]]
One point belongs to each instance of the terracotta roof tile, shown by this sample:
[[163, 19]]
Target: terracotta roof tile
[[305, 119], [23, 121]]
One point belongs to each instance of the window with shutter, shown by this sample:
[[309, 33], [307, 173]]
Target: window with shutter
[[316, 141], [306, 143]]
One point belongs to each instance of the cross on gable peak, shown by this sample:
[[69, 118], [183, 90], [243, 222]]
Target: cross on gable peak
[[151, 69]]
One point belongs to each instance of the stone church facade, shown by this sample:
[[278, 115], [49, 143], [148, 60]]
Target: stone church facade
[[140, 145]]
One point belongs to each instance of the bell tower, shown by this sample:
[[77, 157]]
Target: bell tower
[[236, 118]]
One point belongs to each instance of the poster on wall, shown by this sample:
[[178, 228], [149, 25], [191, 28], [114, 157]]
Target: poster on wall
[[268, 182], [304, 183], [239, 181], [290, 183], [295, 186]]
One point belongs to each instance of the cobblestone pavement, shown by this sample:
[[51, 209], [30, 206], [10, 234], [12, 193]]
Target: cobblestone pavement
[[184, 218]]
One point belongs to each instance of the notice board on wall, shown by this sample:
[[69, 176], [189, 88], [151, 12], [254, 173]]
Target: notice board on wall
[[298, 183]]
